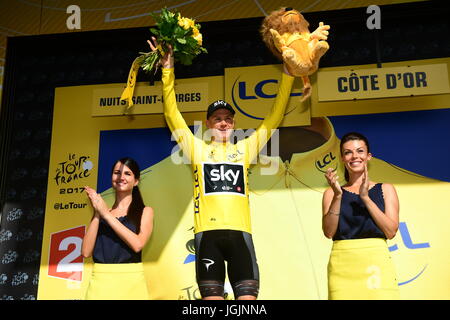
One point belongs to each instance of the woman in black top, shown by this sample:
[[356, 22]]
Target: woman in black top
[[359, 217], [115, 238]]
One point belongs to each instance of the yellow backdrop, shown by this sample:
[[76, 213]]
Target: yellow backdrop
[[286, 207]]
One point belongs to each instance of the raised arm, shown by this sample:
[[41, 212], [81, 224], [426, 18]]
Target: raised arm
[[263, 133], [177, 125], [331, 205]]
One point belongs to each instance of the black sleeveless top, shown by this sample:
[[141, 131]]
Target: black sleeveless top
[[355, 221], [109, 248]]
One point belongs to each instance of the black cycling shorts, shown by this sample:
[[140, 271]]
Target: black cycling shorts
[[214, 247]]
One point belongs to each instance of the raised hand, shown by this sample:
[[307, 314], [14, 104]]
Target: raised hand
[[97, 201], [321, 33], [278, 40], [167, 60], [333, 181]]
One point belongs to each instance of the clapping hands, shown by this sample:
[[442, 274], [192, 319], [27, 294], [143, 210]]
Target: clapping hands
[[333, 181], [97, 201], [364, 188]]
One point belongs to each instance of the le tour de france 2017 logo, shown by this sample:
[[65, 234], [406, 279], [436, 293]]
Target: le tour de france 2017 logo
[[72, 170], [69, 178]]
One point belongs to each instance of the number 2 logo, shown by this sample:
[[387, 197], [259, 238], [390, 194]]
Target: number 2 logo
[[65, 260]]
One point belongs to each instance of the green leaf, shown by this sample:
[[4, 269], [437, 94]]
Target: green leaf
[[167, 31]]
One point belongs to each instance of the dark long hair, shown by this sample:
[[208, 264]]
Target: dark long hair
[[134, 213], [353, 136]]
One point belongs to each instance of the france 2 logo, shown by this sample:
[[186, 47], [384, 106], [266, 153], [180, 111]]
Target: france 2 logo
[[65, 260]]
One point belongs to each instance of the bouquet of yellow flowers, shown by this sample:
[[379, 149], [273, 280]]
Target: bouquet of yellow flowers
[[181, 33], [171, 28]]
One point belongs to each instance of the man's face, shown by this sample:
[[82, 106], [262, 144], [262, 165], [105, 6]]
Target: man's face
[[221, 122]]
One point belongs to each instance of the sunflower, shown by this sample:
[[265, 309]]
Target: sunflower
[[182, 33]]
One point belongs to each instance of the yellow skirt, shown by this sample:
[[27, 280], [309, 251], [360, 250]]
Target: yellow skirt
[[361, 269], [121, 281]]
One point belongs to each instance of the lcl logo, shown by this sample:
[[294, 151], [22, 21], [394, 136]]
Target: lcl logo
[[409, 244], [321, 164], [259, 91]]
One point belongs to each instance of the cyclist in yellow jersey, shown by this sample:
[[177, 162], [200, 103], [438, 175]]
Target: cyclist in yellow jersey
[[221, 207]]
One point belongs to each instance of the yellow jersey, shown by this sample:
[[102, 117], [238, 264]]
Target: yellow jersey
[[220, 170]]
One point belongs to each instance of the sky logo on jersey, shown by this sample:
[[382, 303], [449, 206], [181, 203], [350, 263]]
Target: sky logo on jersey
[[223, 178]]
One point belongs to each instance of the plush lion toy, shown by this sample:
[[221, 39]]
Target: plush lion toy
[[286, 34]]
